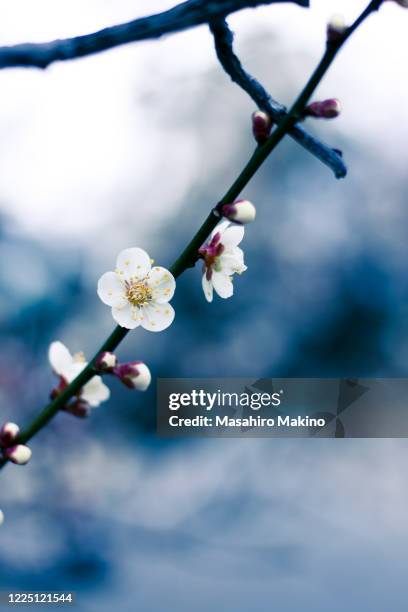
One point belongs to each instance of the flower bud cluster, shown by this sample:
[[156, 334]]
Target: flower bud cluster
[[20, 454], [134, 374]]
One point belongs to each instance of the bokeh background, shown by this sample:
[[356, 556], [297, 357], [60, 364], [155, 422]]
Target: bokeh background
[[131, 148]]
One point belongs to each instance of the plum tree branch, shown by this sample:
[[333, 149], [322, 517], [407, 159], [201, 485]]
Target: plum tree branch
[[181, 17], [188, 256], [223, 41]]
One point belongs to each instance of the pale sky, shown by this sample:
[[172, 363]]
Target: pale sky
[[78, 138]]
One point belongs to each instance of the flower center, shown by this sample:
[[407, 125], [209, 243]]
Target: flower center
[[211, 253], [138, 293]]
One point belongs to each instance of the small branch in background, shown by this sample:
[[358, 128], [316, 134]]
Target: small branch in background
[[223, 41], [181, 17]]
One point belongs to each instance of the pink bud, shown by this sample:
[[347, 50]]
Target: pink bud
[[336, 28], [327, 109], [403, 3], [106, 361], [241, 211], [135, 375], [8, 434], [78, 408], [59, 389], [261, 126], [18, 454]]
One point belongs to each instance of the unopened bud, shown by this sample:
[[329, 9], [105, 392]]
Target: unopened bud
[[261, 126], [336, 28], [8, 433], [59, 389], [241, 211], [78, 408], [106, 362], [1, 517], [403, 3], [328, 109], [19, 454], [135, 375]]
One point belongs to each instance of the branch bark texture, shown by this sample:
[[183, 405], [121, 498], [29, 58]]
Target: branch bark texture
[[181, 17], [223, 40]]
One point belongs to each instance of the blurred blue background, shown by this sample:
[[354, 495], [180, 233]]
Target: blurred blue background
[[131, 148]]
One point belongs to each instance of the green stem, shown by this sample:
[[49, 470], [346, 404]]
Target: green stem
[[189, 256]]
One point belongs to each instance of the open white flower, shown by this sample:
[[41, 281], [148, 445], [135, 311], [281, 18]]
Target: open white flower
[[222, 259], [68, 367], [137, 293]]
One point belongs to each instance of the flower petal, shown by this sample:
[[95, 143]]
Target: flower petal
[[111, 290], [222, 284], [162, 283], [220, 228], [73, 370], [232, 236], [207, 288], [59, 357], [128, 317], [157, 317], [133, 263], [95, 391], [232, 262]]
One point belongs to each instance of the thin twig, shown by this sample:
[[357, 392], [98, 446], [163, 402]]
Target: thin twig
[[188, 257], [186, 15], [223, 41]]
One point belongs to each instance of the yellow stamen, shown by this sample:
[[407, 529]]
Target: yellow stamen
[[137, 293]]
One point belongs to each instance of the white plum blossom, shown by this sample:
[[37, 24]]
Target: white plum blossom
[[222, 259], [1, 517], [137, 293], [68, 367]]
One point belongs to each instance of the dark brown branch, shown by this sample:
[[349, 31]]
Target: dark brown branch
[[186, 15], [223, 39]]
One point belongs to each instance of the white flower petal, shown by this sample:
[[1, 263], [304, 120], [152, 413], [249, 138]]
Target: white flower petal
[[157, 317], [236, 252], [111, 290], [133, 263], [59, 357], [232, 236], [95, 391], [162, 283], [222, 284], [232, 262], [220, 228], [73, 370], [207, 288], [128, 317]]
